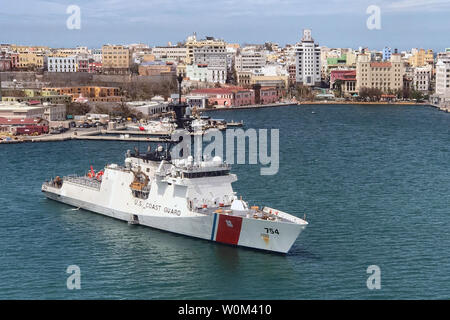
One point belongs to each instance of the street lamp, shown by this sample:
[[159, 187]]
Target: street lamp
[[180, 80]]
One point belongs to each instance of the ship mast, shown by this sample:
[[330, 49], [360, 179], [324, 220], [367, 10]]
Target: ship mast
[[182, 121]]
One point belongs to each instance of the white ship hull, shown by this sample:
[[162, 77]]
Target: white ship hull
[[233, 230], [172, 204]]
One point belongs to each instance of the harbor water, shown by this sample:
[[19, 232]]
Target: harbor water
[[373, 181]]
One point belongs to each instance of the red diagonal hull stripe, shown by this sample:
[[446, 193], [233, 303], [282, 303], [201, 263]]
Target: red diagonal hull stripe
[[228, 229]]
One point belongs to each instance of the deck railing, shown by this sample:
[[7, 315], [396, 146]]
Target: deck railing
[[84, 181]]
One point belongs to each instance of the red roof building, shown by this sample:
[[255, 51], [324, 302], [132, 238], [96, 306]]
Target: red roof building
[[348, 81]]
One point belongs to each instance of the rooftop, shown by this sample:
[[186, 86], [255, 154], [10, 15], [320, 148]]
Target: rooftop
[[380, 64]]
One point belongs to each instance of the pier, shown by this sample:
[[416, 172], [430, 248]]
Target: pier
[[441, 107], [120, 138], [143, 133], [117, 135]]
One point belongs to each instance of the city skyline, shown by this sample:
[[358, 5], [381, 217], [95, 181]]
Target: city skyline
[[404, 24]]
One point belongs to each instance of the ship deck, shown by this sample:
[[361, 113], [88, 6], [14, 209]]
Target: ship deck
[[251, 214]]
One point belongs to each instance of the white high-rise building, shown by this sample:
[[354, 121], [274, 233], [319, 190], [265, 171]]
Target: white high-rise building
[[307, 61], [443, 78]]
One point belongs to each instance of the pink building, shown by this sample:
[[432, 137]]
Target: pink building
[[243, 97], [227, 97], [269, 95], [83, 65]]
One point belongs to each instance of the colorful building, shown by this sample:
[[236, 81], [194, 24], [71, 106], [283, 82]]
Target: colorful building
[[155, 68], [95, 67], [346, 79], [30, 60], [421, 57], [92, 93], [116, 59], [269, 95], [226, 97]]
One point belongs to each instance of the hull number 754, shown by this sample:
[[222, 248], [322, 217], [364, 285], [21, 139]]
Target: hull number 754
[[271, 231]]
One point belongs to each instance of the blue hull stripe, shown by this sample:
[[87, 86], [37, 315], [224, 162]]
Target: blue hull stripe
[[214, 227]]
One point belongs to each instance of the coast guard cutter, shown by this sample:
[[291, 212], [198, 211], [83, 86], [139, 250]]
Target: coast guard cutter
[[185, 196]]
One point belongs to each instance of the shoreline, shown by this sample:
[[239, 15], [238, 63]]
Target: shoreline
[[331, 103], [304, 103]]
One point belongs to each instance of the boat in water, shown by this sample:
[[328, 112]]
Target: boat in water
[[192, 197], [163, 126]]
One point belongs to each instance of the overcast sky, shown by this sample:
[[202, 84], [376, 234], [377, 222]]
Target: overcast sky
[[334, 23]]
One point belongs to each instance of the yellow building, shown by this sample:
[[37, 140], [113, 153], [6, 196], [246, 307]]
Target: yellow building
[[273, 57], [64, 53], [116, 59], [244, 78], [421, 58], [29, 60], [351, 58], [233, 45], [429, 57], [148, 57], [92, 93], [386, 76], [22, 49], [181, 69], [270, 81], [155, 70]]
